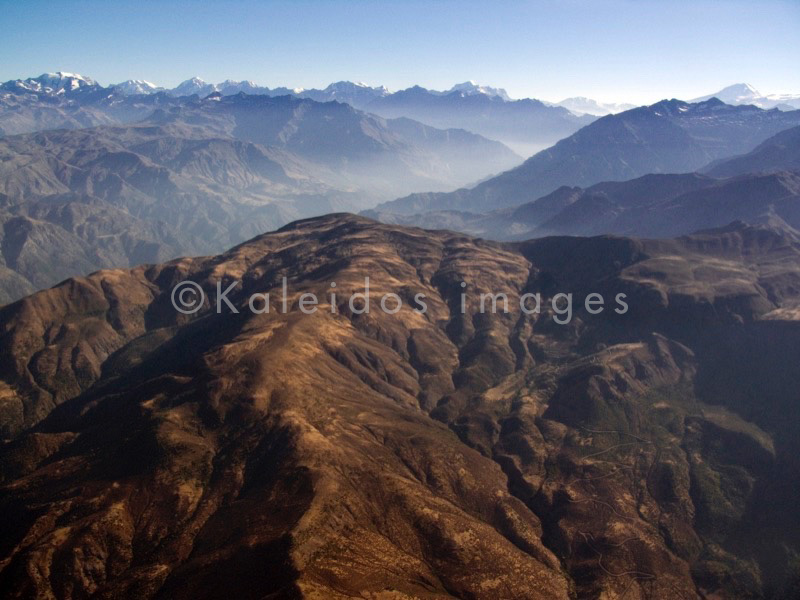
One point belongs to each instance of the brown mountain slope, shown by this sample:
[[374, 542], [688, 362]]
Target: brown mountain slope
[[152, 454]]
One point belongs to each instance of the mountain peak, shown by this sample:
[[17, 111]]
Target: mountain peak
[[744, 93], [741, 89], [471, 88], [62, 81], [581, 105], [195, 85], [137, 86]]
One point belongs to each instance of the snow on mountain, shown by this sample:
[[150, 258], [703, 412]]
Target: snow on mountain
[[52, 83], [470, 88], [195, 85], [744, 93], [348, 87], [230, 87], [133, 87], [586, 106], [64, 81]]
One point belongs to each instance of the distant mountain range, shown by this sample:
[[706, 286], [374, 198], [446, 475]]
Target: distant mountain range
[[781, 152], [527, 125], [586, 106], [198, 176], [760, 187], [670, 136], [139, 174], [524, 125], [66, 99], [333, 134], [743, 93]]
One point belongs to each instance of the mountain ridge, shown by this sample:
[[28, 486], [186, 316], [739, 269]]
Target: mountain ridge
[[526, 124], [670, 136], [201, 175], [744, 93], [444, 454]]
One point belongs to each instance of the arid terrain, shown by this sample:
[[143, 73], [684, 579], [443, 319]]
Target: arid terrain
[[645, 455]]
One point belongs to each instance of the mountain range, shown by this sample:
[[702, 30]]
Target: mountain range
[[580, 105], [66, 99], [744, 93], [760, 187], [198, 176], [670, 136], [451, 453], [639, 439]]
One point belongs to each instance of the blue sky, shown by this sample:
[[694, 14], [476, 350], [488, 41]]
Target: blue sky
[[611, 50]]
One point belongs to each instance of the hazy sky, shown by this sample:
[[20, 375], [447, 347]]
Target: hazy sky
[[611, 50]]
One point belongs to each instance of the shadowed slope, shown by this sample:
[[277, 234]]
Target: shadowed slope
[[410, 455]]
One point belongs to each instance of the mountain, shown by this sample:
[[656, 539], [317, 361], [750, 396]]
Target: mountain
[[357, 95], [670, 205], [762, 186], [192, 86], [743, 93], [137, 87], [470, 88], [447, 454], [50, 101], [201, 175], [76, 201], [656, 206], [779, 153], [34, 105], [375, 154], [58, 83], [580, 105], [337, 135], [670, 136], [388, 156], [196, 86], [524, 125]]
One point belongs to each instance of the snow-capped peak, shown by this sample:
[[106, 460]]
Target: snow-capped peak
[[195, 85], [581, 105], [58, 82], [744, 93], [344, 90], [345, 86], [742, 89], [736, 93], [471, 88], [133, 87]]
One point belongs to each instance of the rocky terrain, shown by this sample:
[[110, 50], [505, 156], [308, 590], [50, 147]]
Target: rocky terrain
[[198, 176], [650, 454]]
